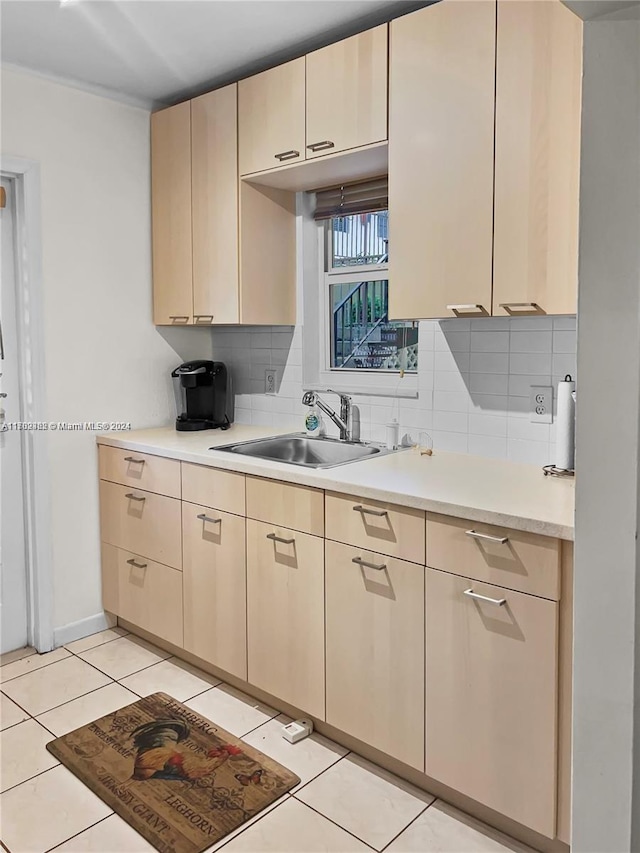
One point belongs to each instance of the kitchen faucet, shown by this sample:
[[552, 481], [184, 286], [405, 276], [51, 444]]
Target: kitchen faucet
[[348, 425]]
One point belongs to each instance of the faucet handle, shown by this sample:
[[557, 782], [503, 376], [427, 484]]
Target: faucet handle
[[340, 394]]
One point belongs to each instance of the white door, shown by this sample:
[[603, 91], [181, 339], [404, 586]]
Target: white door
[[13, 567]]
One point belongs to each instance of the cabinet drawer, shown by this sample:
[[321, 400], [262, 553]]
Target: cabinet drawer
[[215, 587], [145, 593], [498, 555], [140, 470], [285, 615], [491, 688], [213, 487], [377, 526], [296, 507], [375, 650], [141, 522]]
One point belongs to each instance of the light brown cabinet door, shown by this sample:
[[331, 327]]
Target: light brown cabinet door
[[214, 193], [347, 93], [538, 107], [215, 588], [492, 692], [285, 615], [271, 117], [171, 215], [441, 117], [375, 650]]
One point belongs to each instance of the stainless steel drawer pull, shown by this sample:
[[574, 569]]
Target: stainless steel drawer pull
[[464, 307], [133, 497], [379, 567], [208, 518], [507, 305], [133, 459], [287, 155], [204, 318], [501, 540], [133, 563], [275, 538], [321, 146], [497, 601], [179, 317], [367, 511]]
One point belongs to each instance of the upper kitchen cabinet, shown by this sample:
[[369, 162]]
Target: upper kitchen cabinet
[[171, 215], [214, 200], [271, 117], [537, 170], [441, 134], [346, 103]]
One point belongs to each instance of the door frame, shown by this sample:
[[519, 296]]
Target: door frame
[[30, 304]]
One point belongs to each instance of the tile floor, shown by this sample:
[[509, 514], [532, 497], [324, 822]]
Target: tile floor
[[342, 804]]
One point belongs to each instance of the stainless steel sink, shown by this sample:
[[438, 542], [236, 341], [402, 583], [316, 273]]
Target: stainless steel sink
[[301, 449]]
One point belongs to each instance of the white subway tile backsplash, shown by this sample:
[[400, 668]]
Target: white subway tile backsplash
[[522, 428], [458, 361], [445, 339], [538, 341], [562, 364], [564, 341], [529, 363], [489, 383], [489, 362], [531, 452], [449, 380], [488, 424], [490, 341], [567, 323], [261, 340], [451, 401], [520, 386], [451, 421], [490, 324], [282, 340], [488, 403], [493, 447], [452, 442], [533, 324]]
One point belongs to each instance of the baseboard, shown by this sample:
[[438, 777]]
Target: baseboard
[[82, 628]]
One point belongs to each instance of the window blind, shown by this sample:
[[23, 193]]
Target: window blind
[[361, 197]]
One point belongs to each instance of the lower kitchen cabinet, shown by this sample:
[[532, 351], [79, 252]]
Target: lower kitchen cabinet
[[285, 615], [375, 650], [491, 697], [143, 592], [215, 587]]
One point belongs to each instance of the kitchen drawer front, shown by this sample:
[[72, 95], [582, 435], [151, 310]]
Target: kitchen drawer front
[[215, 587], [492, 697], [141, 522], [297, 507], [375, 650], [145, 593], [285, 615], [213, 487], [140, 470], [524, 562], [377, 526]]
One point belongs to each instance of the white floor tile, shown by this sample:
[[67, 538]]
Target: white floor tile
[[365, 800], [443, 829], [123, 657], [175, 677], [80, 712], [112, 835], [247, 824], [47, 810], [53, 685], [232, 710], [294, 828], [23, 753], [17, 654], [10, 713], [31, 663], [307, 758], [94, 640]]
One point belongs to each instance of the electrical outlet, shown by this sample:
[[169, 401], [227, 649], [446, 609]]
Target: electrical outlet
[[270, 379], [541, 404]]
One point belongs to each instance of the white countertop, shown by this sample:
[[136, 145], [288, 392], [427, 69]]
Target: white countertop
[[490, 490]]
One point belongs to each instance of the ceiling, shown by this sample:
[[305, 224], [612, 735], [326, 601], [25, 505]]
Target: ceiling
[[156, 52]]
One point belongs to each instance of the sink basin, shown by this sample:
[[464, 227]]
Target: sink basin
[[301, 449]]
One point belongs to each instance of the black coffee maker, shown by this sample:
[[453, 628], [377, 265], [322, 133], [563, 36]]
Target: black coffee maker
[[204, 397]]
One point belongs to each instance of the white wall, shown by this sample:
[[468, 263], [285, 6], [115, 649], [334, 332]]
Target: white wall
[[104, 358], [606, 752]]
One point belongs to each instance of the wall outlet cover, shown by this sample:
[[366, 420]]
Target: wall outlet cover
[[541, 407], [270, 380]]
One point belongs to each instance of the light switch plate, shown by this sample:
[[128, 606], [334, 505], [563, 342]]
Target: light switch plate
[[541, 404]]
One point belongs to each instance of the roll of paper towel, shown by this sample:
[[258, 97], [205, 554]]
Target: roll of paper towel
[[566, 425]]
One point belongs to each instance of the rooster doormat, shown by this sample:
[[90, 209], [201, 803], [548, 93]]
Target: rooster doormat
[[175, 777]]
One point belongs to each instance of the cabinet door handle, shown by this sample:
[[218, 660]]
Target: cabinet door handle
[[208, 518], [287, 155], [133, 459], [366, 511], [205, 318], [497, 601], [133, 563], [184, 317], [275, 538], [466, 309], [321, 146], [379, 567], [502, 540], [530, 305], [133, 497]]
